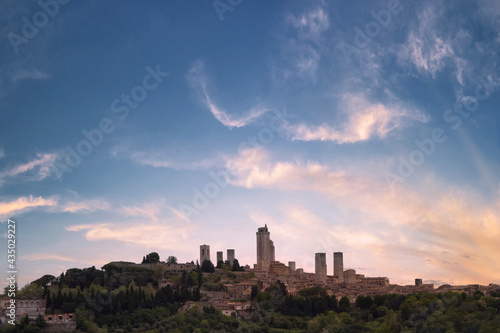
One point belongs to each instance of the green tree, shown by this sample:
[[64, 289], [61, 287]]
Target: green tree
[[344, 304], [236, 266], [154, 258], [31, 329], [364, 302], [207, 266], [158, 272], [7, 290], [40, 322], [171, 260], [31, 290], [24, 322], [255, 292]]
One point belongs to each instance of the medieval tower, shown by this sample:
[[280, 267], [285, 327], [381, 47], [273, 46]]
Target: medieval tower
[[264, 248], [230, 256], [220, 256], [338, 266], [271, 249], [204, 253], [320, 267]]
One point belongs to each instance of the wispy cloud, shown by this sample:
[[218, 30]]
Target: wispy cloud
[[429, 50], [20, 205], [52, 204], [310, 25], [364, 121], [85, 206], [197, 79], [159, 160], [158, 235], [149, 211], [154, 211], [35, 74], [299, 51], [34, 170], [46, 256]]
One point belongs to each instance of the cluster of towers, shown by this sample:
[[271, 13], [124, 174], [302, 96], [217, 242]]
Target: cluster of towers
[[205, 254], [320, 266], [266, 255]]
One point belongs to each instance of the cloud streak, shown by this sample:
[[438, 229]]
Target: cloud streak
[[22, 74], [34, 170], [160, 235], [23, 204], [197, 79], [85, 206], [364, 121]]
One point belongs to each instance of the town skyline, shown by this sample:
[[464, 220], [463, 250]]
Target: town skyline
[[330, 262]]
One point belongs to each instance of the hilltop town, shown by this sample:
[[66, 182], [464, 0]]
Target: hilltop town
[[233, 290], [268, 271]]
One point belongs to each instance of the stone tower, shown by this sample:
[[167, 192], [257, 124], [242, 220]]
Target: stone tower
[[204, 253], [320, 267], [219, 257], [230, 256], [263, 248], [271, 249], [291, 265], [338, 266], [350, 276]]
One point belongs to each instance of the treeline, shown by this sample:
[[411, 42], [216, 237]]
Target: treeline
[[309, 303], [112, 275], [314, 311]]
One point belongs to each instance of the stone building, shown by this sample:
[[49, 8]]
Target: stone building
[[381, 281], [320, 267], [291, 264], [179, 267], [204, 253], [23, 307]]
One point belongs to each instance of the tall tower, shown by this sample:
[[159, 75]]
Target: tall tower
[[338, 266], [219, 256], [320, 267], [230, 256], [271, 249], [291, 264], [204, 253], [263, 248]]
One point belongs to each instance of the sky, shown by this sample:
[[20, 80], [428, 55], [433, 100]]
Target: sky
[[370, 128]]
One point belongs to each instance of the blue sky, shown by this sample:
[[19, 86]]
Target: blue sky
[[371, 129]]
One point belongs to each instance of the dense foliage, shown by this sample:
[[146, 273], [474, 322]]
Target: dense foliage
[[152, 258]]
